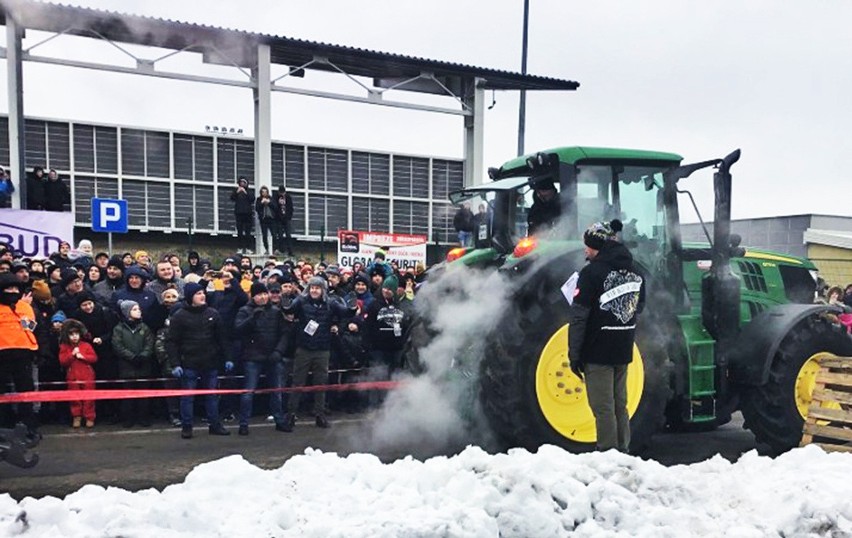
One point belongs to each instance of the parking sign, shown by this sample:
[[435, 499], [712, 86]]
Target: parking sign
[[109, 215]]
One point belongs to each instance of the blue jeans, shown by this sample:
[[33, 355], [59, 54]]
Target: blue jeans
[[465, 238], [209, 380], [274, 371]]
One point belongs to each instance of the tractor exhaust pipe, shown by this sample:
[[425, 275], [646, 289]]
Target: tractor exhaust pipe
[[721, 289]]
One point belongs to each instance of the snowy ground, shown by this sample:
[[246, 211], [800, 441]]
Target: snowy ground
[[805, 492]]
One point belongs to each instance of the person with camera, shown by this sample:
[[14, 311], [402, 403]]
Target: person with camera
[[197, 348], [265, 335], [243, 214]]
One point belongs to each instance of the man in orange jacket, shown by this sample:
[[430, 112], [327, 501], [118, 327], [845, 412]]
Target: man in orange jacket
[[17, 346]]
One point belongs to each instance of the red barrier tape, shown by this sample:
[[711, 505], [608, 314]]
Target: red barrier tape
[[118, 394], [331, 373]]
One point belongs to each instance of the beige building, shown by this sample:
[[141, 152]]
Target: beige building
[[831, 252]]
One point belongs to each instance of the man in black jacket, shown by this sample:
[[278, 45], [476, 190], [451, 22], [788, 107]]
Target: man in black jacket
[[602, 326], [243, 208], [546, 208], [195, 346], [266, 335], [316, 321], [463, 223], [285, 215], [384, 323], [56, 193], [35, 189]]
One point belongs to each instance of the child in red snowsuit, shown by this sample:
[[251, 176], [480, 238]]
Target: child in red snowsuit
[[77, 357]]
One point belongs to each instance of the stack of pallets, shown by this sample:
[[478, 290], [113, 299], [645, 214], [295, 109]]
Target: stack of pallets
[[829, 422]]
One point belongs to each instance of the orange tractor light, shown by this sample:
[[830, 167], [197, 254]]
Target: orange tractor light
[[525, 246], [456, 253]]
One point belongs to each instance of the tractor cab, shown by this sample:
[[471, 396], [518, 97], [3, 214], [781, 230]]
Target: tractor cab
[[554, 195]]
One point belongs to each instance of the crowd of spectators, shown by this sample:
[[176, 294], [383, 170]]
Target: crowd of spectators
[[127, 321], [840, 298]]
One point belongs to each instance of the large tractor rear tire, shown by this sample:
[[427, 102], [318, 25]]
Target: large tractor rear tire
[[531, 397], [775, 411]]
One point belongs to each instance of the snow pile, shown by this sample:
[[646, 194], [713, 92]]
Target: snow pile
[[549, 493]]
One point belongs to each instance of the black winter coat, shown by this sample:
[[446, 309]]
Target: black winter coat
[[100, 324], [197, 339], [264, 331], [463, 220], [285, 207], [543, 214], [610, 295], [384, 325], [353, 351], [56, 195], [35, 192], [324, 313], [227, 302], [242, 202]]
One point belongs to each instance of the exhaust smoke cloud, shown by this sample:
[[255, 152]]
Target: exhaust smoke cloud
[[439, 410]]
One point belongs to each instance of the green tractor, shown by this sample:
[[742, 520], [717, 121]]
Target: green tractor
[[725, 328]]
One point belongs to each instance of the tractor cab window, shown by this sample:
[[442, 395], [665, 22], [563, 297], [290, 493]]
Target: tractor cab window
[[628, 193]]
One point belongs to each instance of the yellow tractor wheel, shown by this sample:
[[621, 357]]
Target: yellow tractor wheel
[[562, 395]]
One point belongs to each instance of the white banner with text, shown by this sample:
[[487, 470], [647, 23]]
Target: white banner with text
[[36, 234], [354, 246]]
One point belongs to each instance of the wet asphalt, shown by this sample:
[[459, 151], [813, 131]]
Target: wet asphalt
[[141, 458]]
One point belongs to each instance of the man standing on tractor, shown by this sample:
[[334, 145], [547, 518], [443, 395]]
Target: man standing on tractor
[[602, 326]]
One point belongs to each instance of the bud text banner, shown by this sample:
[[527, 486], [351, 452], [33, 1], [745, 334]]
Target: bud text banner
[[35, 233]]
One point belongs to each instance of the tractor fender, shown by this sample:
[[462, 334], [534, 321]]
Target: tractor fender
[[753, 350]]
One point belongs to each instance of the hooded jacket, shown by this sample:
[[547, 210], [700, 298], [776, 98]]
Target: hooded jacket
[[76, 369], [147, 299], [610, 294], [133, 345]]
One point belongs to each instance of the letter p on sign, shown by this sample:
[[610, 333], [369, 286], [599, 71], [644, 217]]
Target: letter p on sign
[[109, 215]]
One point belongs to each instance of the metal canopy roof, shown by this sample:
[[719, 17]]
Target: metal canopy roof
[[228, 46]]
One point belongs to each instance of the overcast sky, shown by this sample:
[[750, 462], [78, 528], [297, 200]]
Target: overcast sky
[[697, 78]]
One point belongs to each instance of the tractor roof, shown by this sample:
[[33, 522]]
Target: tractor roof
[[574, 154], [470, 191]]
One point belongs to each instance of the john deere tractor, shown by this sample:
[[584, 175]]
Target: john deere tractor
[[724, 328]]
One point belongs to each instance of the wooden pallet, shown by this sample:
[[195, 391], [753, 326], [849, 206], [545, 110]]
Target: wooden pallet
[[829, 422]]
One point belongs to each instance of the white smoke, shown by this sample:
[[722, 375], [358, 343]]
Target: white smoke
[[439, 410]]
